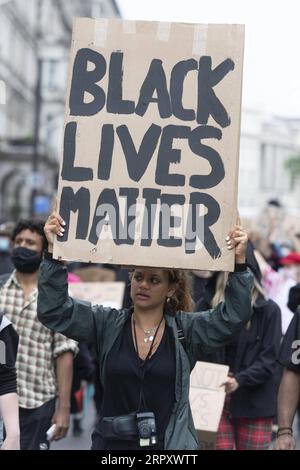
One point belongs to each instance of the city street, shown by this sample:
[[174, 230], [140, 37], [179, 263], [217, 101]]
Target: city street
[[83, 442]]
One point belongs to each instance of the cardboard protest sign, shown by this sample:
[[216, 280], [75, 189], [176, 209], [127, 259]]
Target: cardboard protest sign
[[108, 294], [93, 273], [151, 144], [207, 400], [206, 440]]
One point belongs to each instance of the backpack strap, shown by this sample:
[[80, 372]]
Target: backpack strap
[[180, 334]]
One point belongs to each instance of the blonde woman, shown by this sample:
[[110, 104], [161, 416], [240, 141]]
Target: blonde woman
[[252, 384]]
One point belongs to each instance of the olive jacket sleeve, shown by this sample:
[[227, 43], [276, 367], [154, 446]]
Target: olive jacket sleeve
[[203, 331]]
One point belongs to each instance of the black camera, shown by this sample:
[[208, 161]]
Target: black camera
[[130, 427], [146, 428]]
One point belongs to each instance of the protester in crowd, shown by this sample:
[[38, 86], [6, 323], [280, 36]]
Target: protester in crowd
[[144, 368], [275, 235], [289, 390], [275, 231], [293, 303], [294, 298], [200, 281], [252, 384], [45, 360], [9, 408], [84, 370], [278, 284]]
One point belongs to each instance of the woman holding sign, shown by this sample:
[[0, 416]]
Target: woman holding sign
[[146, 353]]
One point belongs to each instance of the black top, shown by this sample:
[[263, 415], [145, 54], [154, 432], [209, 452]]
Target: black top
[[8, 352], [290, 348], [252, 356], [124, 384], [294, 298], [230, 354]]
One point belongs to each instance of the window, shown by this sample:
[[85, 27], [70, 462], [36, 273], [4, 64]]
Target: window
[[52, 70], [274, 175], [268, 166]]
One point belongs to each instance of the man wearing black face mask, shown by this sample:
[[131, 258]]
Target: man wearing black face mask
[[45, 359]]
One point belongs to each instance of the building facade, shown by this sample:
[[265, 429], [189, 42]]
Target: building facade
[[266, 145], [34, 46], [34, 51]]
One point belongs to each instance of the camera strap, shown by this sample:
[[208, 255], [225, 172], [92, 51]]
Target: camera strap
[[119, 427], [152, 342], [143, 368]]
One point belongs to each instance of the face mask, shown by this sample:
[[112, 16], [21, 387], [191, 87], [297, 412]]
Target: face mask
[[25, 260]]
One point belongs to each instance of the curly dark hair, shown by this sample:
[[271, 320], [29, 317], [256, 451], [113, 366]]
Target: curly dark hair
[[36, 226], [181, 299]]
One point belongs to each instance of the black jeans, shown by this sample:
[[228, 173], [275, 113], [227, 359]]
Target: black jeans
[[33, 426]]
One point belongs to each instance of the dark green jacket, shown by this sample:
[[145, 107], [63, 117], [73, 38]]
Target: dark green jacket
[[203, 331]]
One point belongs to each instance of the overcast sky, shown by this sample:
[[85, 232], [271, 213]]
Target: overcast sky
[[272, 52]]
